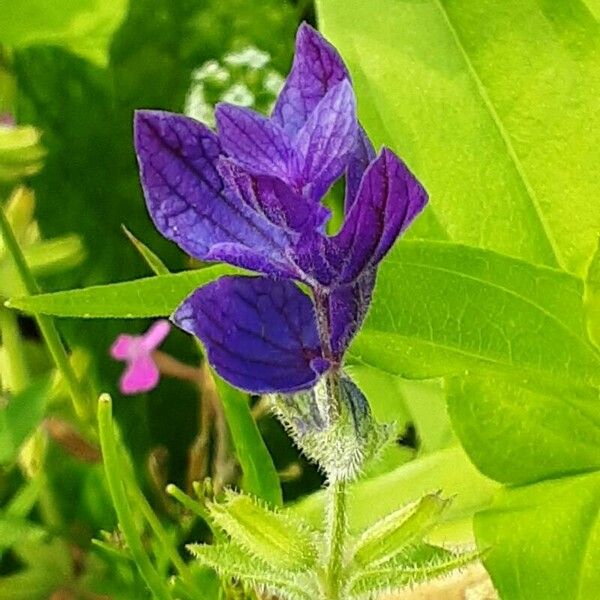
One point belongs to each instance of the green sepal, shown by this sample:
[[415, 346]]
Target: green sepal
[[389, 537], [278, 538], [423, 563], [341, 444], [229, 560]]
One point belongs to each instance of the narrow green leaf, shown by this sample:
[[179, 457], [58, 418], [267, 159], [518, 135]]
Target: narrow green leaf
[[230, 561], [152, 260], [462, 308], [115, 476], [276, 538], [551, 532], [147, 297], [389, 537], [19, 417], [260, 475], [518, 435]]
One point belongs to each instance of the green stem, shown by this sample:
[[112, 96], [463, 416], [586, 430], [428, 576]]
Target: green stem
[[337, 527], [115, 479], [17, 376], [45, 323]]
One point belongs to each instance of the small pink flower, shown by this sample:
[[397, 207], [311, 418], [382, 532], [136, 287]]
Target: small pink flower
[[7, 121], [141, 373]]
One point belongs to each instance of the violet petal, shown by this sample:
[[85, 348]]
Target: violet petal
[[361, 157], [274, 199], [316, 69], [187, 199], [348, 306], [326, 139], [256, 143], [388, 199], [260, 334]]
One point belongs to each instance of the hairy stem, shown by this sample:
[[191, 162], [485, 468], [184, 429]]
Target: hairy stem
[[336, 531], [335, 539]]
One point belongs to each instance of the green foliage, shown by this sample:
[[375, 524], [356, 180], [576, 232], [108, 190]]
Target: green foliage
[[491, 105], [385, 540], [592, 297], [21, 153], [462, 308], [260, 477], [155, 296], [280, 539], [19, 417], [549, 530], [84, 27], [550, 435], [280, 553]]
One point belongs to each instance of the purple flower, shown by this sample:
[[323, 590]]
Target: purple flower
[[141, 373], [250, 195]]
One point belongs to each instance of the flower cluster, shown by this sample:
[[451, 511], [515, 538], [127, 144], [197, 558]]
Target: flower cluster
[[250, 195]]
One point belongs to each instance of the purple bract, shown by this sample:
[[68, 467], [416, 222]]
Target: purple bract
[[250, 195]]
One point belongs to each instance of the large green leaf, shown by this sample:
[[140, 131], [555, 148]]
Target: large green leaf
[[442, 308], [494, 105], [592, 296], [83, 26], [518, 435], [544, 540], [156, 296]]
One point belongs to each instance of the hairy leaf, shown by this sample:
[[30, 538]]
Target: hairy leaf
[[389, 537], [276, 538], [230, 561]]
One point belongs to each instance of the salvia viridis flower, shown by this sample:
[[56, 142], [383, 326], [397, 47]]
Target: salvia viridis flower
[[250, 195], [141, 373]]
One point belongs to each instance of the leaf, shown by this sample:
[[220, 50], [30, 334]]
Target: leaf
[[519, 435], [279, 539], [491, 104], [388, 538], [592, 297], [44, 258], [151, 259], [448, 472], [230, 561], [85, 27], [549, 531], [403, 401], [19, 416], [399, 575], [13, 530], [146, 297], [462, 308], [260, 475]]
